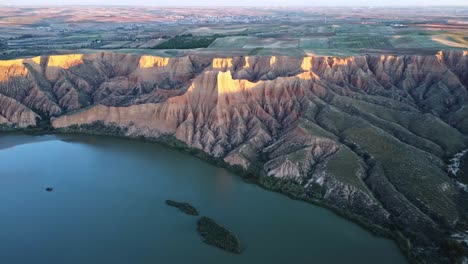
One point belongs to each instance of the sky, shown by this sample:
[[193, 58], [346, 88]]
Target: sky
[[239, 2]]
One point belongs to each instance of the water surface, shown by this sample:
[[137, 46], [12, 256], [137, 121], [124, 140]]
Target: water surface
[[108, 207]]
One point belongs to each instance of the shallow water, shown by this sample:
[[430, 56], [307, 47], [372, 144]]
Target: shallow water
[[108, 207]]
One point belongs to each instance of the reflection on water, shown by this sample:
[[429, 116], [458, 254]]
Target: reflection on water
[[224, 182], [108, 207], [14, 140]]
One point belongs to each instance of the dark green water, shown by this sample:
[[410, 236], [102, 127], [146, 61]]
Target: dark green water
[[108, 207]]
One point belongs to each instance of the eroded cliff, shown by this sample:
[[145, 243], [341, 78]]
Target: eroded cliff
[[369, 135]]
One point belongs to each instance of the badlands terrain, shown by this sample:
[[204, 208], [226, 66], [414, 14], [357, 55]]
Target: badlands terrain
[[370, 136], [361, 110]]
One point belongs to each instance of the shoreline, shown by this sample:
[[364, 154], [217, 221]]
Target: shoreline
[[248, 176]]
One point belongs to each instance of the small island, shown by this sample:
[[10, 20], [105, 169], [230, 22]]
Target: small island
[[216, 235], [184, 207]]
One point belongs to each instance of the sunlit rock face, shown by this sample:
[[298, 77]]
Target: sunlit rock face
[[368, 135]]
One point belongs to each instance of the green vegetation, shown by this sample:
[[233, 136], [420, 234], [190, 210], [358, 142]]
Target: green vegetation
[[255, 51], [6, 127], [188, 41], [184, 207], [346, 167], [98, 127], [422, 173], [289, 187], [314, 129], [3, 44], [314, 43], [218, 236], [233, 42], [345, 34], [364, 41]]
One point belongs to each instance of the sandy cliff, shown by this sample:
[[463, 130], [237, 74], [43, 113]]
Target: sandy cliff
[[367, 134]]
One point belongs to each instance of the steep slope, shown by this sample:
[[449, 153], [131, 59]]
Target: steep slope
[[367, 135]]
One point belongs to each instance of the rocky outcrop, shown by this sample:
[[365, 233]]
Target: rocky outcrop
[[14, 113], [368, 135]]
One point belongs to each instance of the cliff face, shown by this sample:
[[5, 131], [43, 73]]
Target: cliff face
[[368, 134]]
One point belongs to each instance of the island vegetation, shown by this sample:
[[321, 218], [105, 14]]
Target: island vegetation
[[218, 236], [184, 207]]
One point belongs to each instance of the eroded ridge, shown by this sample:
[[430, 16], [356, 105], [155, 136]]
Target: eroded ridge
[[367, 135]]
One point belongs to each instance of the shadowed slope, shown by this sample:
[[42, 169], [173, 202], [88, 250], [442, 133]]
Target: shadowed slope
[[368, 135]]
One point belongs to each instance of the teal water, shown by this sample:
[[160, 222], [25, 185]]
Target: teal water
[[108, 207]]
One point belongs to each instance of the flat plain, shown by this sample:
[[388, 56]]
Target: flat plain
[[32, 31]]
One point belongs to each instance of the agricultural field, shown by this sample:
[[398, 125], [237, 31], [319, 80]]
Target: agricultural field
[[207, 31], [327, 31], [231, 42], [277, 43], [360, 42], [314, 43]]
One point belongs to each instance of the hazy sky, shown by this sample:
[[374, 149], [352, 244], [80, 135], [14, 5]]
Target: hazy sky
[[238, 2]]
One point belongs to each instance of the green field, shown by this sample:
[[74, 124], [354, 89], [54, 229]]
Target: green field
[[230, 42], [293, 34]]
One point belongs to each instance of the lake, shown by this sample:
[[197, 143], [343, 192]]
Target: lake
[[108, 206]]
